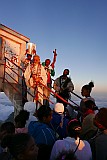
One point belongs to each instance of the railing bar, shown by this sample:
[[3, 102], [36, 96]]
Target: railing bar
[[76, 95], [13, 86], [12, 77], [14, 71], [14, 64]]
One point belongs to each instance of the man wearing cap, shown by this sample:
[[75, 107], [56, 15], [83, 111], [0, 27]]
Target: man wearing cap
[[59, 122]]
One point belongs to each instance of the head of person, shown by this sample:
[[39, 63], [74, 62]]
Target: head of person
[[70, 112], [74, 128], [36, 59], [21, 118], [7, 128], [21, 146], [90, 105], [44, 114], [100, 119], [66, 72], [59, 108], [47, 62], [86, 89], [30, 107], [29, 56]]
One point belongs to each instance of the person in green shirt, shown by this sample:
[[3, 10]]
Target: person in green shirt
[[49, 67]]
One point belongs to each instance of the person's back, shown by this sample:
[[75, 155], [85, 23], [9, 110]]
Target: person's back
[[88, 128], [59, 121], [43, 135], [40, 130], [73, 143], [67, 156]]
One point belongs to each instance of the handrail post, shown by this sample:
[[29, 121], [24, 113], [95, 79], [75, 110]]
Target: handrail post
[[36, 96], [4, 69]]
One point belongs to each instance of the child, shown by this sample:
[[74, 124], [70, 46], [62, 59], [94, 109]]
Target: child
[[21, 146], [20, 121]]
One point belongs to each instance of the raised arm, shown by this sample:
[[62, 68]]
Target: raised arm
[[54, 59]]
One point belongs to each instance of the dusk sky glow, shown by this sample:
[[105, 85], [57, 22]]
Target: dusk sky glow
[[76, 28]]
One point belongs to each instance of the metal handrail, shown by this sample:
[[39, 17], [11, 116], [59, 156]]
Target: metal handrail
[[51, 91], [55, 94]]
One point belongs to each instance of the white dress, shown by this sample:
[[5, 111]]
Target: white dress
[[30, 81]]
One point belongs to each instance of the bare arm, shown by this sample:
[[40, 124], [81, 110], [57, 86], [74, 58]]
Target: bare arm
[[54, 59]]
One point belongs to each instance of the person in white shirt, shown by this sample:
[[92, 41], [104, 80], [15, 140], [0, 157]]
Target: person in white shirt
[[35, 74], [81, 148]]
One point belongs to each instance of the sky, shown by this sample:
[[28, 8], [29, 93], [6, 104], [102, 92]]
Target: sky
[[77, 29]]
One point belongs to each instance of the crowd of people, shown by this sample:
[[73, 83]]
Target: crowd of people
[[50, 134], [58, 133], [37, 81]]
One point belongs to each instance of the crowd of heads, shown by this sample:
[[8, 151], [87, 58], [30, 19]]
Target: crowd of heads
[[22, 145]]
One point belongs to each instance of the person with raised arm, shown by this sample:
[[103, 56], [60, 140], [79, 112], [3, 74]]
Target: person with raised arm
[[50, 71]]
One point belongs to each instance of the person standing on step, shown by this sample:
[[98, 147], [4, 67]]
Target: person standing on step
[[50, 71], [86, 93], [35, 74], [63, 86], [25, 61]]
